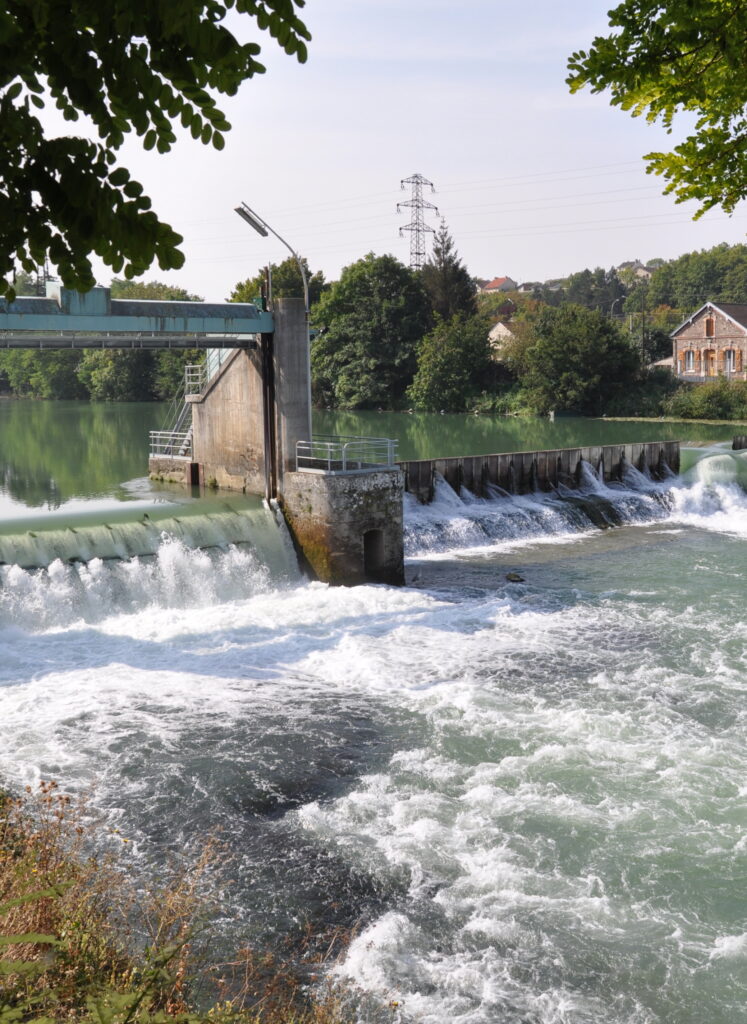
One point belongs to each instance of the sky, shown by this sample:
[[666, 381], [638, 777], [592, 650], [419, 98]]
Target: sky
[[533, 183]]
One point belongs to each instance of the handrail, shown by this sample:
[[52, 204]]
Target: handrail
[[328, 453], [171, 443]]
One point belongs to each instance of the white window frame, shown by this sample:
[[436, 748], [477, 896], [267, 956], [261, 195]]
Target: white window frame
[[730, 360], [689, 361]]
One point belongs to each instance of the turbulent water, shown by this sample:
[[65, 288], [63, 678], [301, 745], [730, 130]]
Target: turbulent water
[[528, 795]]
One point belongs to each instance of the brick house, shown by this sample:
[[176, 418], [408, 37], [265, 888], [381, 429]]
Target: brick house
[[712, 342]]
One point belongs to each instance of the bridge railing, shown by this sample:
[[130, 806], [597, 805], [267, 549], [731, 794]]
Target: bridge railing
[[171, 444], [329, 453]]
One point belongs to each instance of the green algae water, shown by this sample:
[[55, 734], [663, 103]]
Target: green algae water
[[528, 796]]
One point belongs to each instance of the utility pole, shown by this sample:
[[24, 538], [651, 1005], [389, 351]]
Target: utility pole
[[417, 226]]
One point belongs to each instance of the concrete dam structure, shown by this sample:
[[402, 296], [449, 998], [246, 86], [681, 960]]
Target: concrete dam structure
[[243, 423], [528, 472], [244, 420]]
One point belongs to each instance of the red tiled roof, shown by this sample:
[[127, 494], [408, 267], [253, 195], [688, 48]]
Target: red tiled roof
[[495, 283]]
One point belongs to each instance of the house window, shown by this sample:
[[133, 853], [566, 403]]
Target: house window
[[689, 361], [710, 327], [730, 360]]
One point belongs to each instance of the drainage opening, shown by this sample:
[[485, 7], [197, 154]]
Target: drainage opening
[[373, 554]]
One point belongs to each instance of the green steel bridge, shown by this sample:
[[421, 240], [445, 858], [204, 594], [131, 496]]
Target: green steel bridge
[[69, 319]]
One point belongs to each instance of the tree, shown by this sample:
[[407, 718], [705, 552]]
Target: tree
[[128, 67], [665, 57], [286, 283], [446, 279], [454, 364], [595, 289], [32, 374], [136, 375], [370, 322], [578, 359]]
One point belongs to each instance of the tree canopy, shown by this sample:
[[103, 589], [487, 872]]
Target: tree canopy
[[454, 364], [576, 360], [286, 283], [141, 67], [446, 279], [666, 57], [370, 321]]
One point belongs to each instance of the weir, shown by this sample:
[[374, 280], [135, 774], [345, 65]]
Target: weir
[[244, 424], [528, 472]]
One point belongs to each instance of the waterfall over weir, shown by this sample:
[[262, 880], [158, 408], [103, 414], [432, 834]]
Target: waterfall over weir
[[714, 484], [191, 559]]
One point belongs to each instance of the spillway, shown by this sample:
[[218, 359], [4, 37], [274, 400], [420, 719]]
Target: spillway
[[527, 796]]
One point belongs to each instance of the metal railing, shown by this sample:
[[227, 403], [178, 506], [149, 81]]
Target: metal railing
[[195, 378], [330, 453], [171, 444]]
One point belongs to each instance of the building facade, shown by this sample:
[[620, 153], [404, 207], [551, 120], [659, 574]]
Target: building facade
[[712, 343]]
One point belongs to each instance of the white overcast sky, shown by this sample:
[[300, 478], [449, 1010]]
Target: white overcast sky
[[533, 183]]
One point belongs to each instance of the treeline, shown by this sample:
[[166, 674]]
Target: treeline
[[389, 337], [111, 376]]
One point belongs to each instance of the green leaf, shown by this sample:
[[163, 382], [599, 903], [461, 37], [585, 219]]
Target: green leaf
[[30, 937]]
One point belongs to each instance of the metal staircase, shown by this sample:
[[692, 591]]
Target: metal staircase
[[174, 439]]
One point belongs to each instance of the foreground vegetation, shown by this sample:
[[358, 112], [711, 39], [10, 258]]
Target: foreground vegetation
[[80, 942]]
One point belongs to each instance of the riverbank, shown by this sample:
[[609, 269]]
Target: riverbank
[[80, 940]]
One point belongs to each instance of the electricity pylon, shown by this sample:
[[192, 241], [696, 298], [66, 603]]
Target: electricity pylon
[[417, 226]]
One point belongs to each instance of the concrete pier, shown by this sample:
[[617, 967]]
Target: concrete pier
[[247, 423], [348, 525], [526, 472]]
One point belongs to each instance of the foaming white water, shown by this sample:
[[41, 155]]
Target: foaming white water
[[451, 523], [531, 795], [210, 559], [711, 497]]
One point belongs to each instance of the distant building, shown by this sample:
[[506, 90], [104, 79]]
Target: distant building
[[712, 342], [498, 335], [499, 284], [636, 269]]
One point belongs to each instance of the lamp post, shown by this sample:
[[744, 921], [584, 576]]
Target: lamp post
[[261, 226]]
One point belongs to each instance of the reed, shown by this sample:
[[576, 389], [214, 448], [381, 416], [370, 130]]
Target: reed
[[80, 943]]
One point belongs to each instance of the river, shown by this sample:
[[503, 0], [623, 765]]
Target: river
[[529, 796]]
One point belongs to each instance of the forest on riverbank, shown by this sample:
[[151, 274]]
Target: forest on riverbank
[[387, 336]]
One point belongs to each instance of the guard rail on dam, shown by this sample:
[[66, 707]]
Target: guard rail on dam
[[526, 472]]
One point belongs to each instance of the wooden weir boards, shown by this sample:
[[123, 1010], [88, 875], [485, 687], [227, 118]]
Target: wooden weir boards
[[525, 472]]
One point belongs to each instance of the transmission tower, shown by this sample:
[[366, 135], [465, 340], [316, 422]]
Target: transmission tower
[[417, 226]]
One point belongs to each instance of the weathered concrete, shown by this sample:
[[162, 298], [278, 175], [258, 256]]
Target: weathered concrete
[[173, 470], [254, 410], [348, 526], [525, 472], [228, 435], [292, 383]]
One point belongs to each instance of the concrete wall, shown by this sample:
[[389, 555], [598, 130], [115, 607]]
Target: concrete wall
[[228, 436], [332, 515], [229, 424], [173, 470], [292, 382], [524, 472]]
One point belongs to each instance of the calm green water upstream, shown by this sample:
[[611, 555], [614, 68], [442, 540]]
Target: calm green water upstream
[[529, 796], [54, 452]]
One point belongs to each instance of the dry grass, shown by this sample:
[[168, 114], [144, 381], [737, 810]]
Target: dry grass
[[78, 943]]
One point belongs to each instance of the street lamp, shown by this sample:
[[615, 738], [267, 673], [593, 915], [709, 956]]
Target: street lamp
[[261, 226]]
